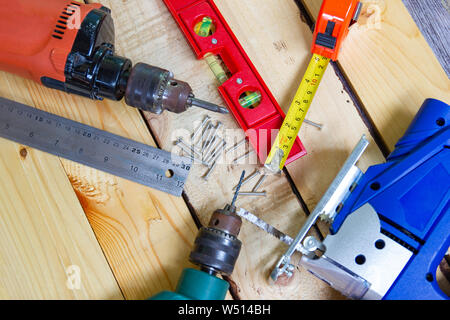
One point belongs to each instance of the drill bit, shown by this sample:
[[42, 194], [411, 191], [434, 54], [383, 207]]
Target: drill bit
[[238, 188], [208, 106]]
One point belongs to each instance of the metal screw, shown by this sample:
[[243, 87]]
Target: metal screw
[[249, 178], [214, 41], [245, 156], [253, 194], [237, 145], [239, 81], [260, 182]]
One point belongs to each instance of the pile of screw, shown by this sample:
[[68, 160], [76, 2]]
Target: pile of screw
[[206, 146], [254, 192]]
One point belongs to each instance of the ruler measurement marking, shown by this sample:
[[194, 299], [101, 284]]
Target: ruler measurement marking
[[93, 147]]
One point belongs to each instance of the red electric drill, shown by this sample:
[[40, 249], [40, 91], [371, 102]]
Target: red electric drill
[[69, 46]]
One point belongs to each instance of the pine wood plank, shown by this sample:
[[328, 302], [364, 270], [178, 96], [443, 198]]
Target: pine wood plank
[[146, 235], [47, 247], [390, 66], [282, 56]]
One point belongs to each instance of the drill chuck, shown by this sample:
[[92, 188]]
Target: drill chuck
[[153, 89], [217, 248], [94, 70]]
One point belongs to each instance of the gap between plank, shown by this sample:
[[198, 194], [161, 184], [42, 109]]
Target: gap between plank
[[233, 288], [185, 197]]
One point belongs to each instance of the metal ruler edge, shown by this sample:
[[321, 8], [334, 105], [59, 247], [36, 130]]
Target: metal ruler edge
[[99, 149]]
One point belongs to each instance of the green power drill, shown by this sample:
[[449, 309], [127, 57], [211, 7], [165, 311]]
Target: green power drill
[[215, 251]]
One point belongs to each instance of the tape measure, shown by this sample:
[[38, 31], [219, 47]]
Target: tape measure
[[332, 27], [95, 148], [297, 113]]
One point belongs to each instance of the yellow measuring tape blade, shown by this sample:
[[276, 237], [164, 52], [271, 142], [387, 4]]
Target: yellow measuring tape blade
[[296, 114]]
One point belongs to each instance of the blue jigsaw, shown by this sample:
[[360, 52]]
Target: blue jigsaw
[[390, 226]]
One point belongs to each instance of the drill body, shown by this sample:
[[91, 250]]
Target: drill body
[[69, 46]]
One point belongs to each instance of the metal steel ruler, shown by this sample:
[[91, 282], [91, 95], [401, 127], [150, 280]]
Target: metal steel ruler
[[297, 113], [95, 148]]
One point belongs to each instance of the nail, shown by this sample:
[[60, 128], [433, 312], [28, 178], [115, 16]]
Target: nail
[[181, 142], [253, 194], [237, 145], [210, 171], [260, 182], [212, 147], [217, 153], [199, 129], [214, 132], [192, 155], [245, 156], [202, 135], [213, 137], [317, 125]]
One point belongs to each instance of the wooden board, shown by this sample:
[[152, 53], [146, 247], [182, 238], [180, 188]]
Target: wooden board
[[433, 19], [47, 247], [146, 32], [281, 57], [146, 235], [390, 66]]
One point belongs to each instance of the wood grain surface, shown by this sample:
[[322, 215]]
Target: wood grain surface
[[146, 32], [390, 66], [281, 57], [145, 235], [47, 247], [433, 19]]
